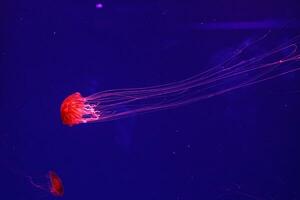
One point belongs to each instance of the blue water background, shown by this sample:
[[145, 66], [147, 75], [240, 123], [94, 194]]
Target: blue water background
[[243, 145]]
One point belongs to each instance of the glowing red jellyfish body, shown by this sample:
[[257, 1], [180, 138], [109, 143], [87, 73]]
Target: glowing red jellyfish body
[[56, 187], [74, 110], [246, 67]]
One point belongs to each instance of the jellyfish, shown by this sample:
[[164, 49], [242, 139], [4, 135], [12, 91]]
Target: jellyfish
[[245, 67], [54, 184]]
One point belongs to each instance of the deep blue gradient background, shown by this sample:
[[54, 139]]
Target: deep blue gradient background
[[242, 145]]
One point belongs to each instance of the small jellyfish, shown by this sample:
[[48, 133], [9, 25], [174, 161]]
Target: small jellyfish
[[54, 184]]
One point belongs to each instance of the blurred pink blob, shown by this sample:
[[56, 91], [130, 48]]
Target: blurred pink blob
[[99, 5]]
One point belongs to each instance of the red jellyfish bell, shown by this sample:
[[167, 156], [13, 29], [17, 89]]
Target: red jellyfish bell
[[56, 187], [74, 110]]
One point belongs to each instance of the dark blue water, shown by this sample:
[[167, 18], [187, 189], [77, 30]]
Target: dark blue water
[[242, 145]]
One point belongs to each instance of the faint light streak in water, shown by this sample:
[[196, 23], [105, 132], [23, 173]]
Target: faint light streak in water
[[245, 25], [99, 5]]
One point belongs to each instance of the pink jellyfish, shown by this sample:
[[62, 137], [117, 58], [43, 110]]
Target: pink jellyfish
[[241, 70]]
